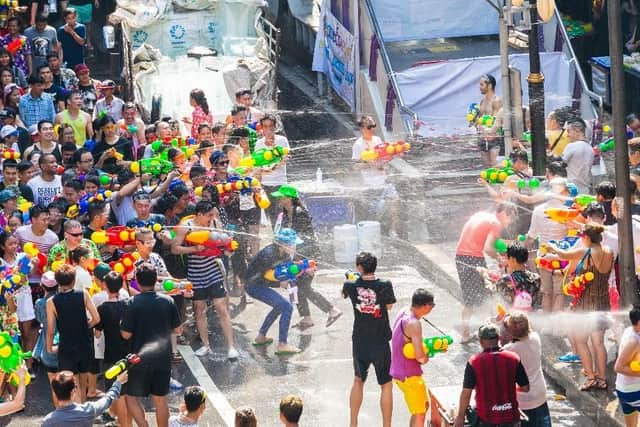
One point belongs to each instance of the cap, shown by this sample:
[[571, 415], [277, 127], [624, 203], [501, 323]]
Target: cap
[[107, 84], [81, 68], [288, 236], [101, 270], [488, 332], [48, 279], [8, 130], [285, 191], [33, 129], [5, 114], [7, 194]]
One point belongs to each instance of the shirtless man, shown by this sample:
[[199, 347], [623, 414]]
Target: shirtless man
[[490, 104]]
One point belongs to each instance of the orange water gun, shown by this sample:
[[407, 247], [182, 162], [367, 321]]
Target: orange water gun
[[215, 242], [561, 215]]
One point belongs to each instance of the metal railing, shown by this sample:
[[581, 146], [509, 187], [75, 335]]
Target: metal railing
[[409, 123], [127, 52], [271, 34]]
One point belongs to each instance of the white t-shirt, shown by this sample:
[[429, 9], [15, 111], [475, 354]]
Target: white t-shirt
[[124, 210], [278, 175], [83, 279], [373, 173], [530, 352], [543, 227], [360, 145], [176, 421], [25, 234], [45, 191], [578, 156], [626, 383]]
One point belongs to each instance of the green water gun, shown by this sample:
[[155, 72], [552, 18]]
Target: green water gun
[[155, 166]]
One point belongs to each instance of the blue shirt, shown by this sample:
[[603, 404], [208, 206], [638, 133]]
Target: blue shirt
[[32, 110], [72, 52]]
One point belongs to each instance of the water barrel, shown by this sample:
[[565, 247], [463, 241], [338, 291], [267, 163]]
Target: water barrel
[[345, 243], [369, 237]]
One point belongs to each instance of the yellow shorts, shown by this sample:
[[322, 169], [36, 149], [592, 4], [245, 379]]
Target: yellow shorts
[[415, 394]]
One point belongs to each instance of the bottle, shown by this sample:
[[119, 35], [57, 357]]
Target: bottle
[[319, 177]]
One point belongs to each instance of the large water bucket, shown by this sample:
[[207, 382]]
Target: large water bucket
[[369, 237], [345, 243]]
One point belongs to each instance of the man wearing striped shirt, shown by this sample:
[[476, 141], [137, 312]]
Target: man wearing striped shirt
[[205, 273]]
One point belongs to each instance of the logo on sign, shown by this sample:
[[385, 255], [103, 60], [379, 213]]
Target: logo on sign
[[177, 32], [212, 27], [140, 37]]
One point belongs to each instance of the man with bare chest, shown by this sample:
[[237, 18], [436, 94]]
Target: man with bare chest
[[489, 141]]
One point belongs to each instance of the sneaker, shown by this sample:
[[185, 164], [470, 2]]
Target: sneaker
[[569, 358], [233, 353], [175, 385], [203, 351]]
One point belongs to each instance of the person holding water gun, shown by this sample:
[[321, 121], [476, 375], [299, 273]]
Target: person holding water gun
[[407, 373], [628, 378], [520, 287]]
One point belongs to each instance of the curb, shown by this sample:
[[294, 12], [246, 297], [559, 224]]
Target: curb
[[428, 265]]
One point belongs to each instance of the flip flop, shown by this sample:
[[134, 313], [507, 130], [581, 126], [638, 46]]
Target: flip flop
[[287, 352], [263, 343], [332, 319]]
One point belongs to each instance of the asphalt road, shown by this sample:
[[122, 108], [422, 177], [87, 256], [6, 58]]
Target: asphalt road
[[321, 375]]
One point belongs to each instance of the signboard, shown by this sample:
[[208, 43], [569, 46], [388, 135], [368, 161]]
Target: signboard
[[334, 56]]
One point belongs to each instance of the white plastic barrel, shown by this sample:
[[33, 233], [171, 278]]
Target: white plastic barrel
[[369, 237], [345, 243]]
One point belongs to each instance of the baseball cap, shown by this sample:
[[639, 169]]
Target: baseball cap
[[285, 191], [5, 114], [107, 84], [8, 130], [101, 270], [488, 332], [288, 236], [48, 279], [7, 194], [81, 68]]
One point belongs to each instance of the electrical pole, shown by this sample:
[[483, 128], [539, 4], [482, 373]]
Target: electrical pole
[[536, 98], [506, 81], [628, 285]]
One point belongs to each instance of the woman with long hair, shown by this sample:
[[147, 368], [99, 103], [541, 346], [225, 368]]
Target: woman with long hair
[[6, 61], [594, 259], [11, 94], [200, 114], [122, 153]]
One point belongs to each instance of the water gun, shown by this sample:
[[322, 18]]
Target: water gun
[[264, 157], [472, 113], [122, 365], [561, 215], [385, 151], [431, 346], [605, 146], [243, 185], [497, 175], [500, 246], [215, 242], [487, 120], [105, 179], [583, 200], [501, 312], [565, 243], [132, 129], [153, 165], [262, 200], [531, 183], [352, 276], [9, 283], [172, 287], [118, 235], [289, 271], [551, 264], [526, 136], [16, 44], [23, 206], [126, 264], [12, 357], [32, 252], [577, 285], [82, 207], [10, 154]]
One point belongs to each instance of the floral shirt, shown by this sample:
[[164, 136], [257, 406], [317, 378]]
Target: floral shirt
[[20, 57], [59, 251], [510, 285], [199, 117]]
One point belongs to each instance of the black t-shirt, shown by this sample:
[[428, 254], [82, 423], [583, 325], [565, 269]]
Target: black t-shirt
[[57, 93], [151, 318], [111, 314], [370, 298], [24, 190], [266, 259], [122, 146]]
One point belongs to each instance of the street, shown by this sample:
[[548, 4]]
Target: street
[[321, 375]]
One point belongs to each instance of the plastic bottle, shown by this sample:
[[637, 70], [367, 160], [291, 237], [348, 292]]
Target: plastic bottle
[[319, 177]]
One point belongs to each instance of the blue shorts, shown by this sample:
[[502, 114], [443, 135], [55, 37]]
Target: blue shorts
[[630, 402]]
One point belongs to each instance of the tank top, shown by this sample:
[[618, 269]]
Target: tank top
[[72, 322], [401, 367], [78, 125], [626, 383], [202, 271]]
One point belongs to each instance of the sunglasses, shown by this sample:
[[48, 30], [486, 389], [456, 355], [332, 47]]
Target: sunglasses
[[370, 127], [74, 234], [223, 163]]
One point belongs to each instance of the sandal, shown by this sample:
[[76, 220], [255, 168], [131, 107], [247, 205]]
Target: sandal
[[267, 341], [589, 384], [601, 384]]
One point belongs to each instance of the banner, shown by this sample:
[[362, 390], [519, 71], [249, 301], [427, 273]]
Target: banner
[[334, 56]]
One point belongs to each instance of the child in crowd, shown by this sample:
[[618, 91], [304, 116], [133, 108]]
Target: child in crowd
[[192, 408], [520, 288]]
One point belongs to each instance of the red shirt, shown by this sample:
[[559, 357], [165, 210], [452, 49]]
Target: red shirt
[[475, 233]]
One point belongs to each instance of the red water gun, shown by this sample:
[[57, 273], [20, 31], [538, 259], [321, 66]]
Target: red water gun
[[15, 45], [551, 264], [118, 235], [385, 151], [215, 242], [577, 285], [10, 154], [126, 264]]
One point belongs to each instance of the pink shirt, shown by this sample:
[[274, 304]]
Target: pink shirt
[[475, 233], [197, 118]]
